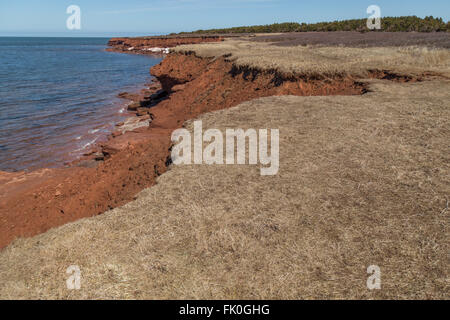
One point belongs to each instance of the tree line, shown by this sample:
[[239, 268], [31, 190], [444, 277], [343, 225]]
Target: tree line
[[388, 24]]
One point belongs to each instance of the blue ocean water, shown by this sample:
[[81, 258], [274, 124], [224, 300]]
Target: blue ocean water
[[58, 96]]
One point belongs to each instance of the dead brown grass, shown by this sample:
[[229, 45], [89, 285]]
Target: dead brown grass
[[359, 39], [326, 61], [363, 180]]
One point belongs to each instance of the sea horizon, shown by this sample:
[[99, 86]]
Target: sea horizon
[[82, 35]]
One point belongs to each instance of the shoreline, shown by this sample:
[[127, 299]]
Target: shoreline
[[57, 117], [132, 119], [142, 99], [89, 137], [32, 202]]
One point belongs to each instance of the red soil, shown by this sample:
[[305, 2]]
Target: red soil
[[31, 203], [124, 44]]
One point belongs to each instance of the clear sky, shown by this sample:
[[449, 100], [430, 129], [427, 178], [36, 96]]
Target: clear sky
[[139, 17]]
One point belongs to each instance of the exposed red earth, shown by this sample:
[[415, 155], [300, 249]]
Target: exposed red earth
[[138, 152], [142, 45]]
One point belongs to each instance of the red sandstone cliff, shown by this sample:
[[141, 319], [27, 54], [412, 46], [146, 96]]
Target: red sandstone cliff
[[142, 44]]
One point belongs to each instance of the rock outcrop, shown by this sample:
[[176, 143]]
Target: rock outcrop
[[155, 45]]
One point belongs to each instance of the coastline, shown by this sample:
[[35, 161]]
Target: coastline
[[140, 100], [134, 156], [54, 116], [32, 202], [133, 117]]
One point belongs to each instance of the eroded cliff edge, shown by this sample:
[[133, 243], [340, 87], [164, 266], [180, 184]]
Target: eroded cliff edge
[[32, 203]]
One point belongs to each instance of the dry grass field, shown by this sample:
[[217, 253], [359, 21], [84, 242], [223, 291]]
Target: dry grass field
[[326, 61], [363, 180], [358, 39]]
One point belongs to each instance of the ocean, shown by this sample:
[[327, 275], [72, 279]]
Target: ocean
[[58, 96]]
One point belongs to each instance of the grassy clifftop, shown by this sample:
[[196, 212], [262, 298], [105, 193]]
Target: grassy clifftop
[[391, 24], [326, 61]]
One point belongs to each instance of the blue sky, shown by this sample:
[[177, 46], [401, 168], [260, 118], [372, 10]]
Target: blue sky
[[139, 17]]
